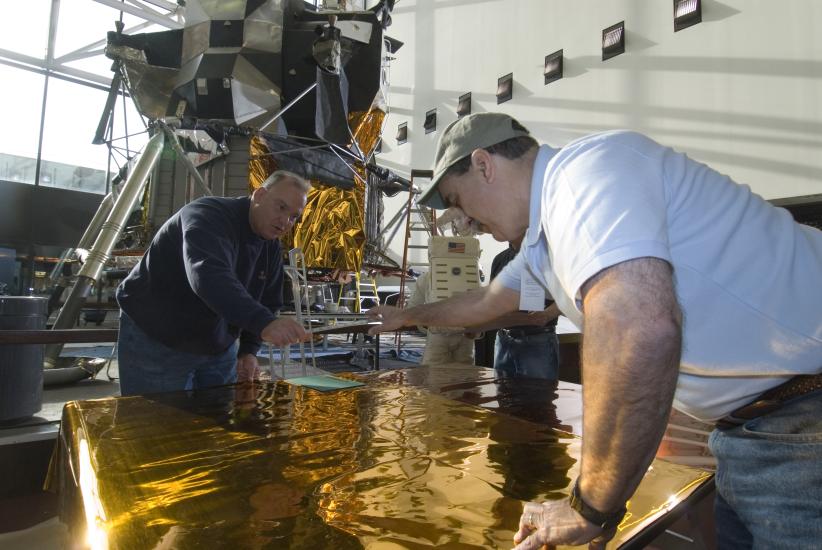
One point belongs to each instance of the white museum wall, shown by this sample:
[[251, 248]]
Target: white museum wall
[[739, 91]]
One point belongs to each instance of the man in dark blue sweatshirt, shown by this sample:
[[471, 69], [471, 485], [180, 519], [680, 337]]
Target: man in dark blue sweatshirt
[[212, 274]]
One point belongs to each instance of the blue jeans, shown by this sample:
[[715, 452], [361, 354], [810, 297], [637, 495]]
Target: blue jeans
[[148, 366], [532, 356], [769, 479]]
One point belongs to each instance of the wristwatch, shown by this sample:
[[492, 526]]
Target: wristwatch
[[606, 521]]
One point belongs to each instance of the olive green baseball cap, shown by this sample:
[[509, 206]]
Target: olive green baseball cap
[[460, 139]]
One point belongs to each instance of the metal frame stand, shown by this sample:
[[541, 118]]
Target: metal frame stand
[[296, 271]]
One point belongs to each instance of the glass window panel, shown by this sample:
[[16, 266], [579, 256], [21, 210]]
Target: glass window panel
[[20, 113], [24, 27], [83, 22], [70, 160], [98, 64]]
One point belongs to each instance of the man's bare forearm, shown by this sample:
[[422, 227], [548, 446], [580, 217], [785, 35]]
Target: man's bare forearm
[[464, 309], [519, 318], [630, 362]]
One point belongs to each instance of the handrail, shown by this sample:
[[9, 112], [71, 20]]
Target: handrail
[[58, 336]]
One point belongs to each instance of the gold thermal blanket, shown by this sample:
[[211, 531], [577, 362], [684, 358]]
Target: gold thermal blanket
[[405, 461], [331, 232]]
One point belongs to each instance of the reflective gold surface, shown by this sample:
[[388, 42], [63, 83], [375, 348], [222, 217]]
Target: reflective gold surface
[[366, 127], [402, 462], [261, 163], [331, 233], [331, 229]]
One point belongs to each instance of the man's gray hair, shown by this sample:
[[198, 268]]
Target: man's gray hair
[[285, 175]]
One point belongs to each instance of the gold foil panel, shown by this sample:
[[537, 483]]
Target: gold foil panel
[[261, 163], [366, 128], [331, 232], [387, 465]]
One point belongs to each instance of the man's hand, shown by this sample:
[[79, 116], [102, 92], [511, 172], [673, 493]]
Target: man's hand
[[281, 332], [248, 369], [554, 523], [392, 318], [475, 307]]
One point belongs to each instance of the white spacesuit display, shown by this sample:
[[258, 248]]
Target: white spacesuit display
[[454, 268]]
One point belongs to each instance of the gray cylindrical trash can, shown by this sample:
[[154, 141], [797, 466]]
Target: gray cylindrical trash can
[[21, 365]]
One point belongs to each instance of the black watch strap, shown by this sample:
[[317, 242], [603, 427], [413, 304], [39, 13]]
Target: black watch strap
[[606, 521]]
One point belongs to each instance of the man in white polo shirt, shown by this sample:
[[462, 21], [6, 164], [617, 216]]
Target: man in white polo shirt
[[691, 291]]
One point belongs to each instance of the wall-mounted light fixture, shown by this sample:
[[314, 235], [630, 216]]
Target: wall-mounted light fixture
[[553, 67], [505, 88], [687, 13], [430, 123], [613, 40], [464, 105], [402, 133]]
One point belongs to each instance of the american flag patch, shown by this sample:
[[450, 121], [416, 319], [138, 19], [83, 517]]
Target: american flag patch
[[456, 248]]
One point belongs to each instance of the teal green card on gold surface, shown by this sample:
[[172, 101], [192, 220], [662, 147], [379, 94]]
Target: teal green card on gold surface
[[324, 383]]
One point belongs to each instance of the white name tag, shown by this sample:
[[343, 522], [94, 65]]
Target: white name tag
[[531, 293]]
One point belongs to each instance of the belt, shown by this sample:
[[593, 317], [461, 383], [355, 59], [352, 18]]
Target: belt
[[772, 400], [521, 332]]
